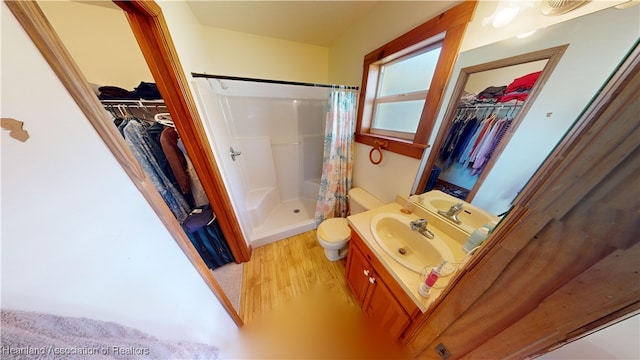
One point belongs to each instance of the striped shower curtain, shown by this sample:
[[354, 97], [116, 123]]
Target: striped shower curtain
[[338, 156]]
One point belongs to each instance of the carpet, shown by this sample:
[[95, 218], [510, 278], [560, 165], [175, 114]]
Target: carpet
[[229, 277], [34, 335]]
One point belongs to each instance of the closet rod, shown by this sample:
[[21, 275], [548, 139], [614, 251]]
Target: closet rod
[[223, 77], [135, 103], [488, 106]]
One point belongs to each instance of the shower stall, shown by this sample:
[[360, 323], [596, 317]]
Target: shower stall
[[268, 141]]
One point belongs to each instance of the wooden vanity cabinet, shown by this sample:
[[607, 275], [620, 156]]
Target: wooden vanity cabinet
[[359, 274], [376, 291]]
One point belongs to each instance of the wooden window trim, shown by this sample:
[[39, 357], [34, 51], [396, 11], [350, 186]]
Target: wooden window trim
[[149, 26], [452, 23], [416, 95]]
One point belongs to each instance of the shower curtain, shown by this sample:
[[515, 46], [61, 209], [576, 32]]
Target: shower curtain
[[338, 156]]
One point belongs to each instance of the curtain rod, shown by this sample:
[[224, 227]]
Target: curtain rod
[[223, 77]]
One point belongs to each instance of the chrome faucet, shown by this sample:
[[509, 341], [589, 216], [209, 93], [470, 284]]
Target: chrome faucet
[[420, 226], [452, 213]]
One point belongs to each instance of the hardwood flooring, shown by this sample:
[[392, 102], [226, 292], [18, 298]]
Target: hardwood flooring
[[296, 304], [283, 271]]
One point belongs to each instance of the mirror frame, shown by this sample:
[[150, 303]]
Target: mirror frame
[[552, 55]]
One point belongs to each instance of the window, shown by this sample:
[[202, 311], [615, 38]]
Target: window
[[402, 90], [403, 83]]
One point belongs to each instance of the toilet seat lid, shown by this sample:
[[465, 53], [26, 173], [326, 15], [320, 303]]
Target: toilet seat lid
[[334, 230]]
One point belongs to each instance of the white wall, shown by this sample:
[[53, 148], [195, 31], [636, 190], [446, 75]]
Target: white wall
[[206, 49], [618, 341], [246, 55], [78, 239], [100, 41], [109, 55], [480, 32]]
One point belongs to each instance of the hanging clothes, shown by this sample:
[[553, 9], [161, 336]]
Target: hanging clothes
[[480, 156], [498, 131], [197, 190], [161, 154], [138, 142], [462, 127], [338, 156], [474, 148], [205, 234], [175, 158], [154, 134]]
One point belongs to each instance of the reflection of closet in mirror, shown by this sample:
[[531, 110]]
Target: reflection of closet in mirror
[[488, 103]]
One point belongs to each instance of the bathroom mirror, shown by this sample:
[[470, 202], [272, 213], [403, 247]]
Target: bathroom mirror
[[571, 73], [457, 212], [489, 103]]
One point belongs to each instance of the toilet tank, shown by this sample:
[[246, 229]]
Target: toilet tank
[[361, 201]]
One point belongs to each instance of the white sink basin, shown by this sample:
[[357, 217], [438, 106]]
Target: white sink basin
[[409, 248], [471, 216]]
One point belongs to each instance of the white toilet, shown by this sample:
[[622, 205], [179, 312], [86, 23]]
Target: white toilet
[[334, 233]]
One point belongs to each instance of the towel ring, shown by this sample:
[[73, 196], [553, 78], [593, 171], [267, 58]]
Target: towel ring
[[378, 145]]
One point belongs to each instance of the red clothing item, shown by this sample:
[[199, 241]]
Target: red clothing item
[[519, 88], [523, 83]]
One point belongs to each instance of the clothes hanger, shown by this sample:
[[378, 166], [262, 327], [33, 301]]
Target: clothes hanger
[[113, 112], [130, 113], [212, 219], [145, 110], [511, 114], [164, 119], [121, 111]]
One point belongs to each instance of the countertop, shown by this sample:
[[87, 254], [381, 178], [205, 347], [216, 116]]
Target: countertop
[[408, 279]]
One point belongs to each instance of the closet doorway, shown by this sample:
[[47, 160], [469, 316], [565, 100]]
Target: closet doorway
[[147, 23], [458, 165]]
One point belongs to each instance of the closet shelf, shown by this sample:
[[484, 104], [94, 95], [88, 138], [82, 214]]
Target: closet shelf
[[491, 106], [134, 103]]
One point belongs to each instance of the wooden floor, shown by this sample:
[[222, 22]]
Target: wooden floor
[[282, 271], [296, 304]]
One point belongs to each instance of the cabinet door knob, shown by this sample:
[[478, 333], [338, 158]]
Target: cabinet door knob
[[366, 272], [372, 280]]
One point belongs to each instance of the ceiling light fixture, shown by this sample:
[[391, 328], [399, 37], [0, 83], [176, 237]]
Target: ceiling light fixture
[[559, 7], [504, 16], [506, 11], [526, 35]]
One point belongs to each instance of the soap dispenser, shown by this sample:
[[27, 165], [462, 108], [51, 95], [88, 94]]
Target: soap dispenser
[[476, 239], [425, 287]]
